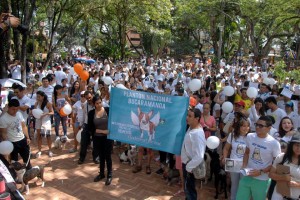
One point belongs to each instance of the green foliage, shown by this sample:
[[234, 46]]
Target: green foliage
[[280, 71]]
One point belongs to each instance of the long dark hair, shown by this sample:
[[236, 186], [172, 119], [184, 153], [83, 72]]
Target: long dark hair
[[239, 120], [72, 91], [281, 131], [57, 87], [45, 100], [288, 156], [262, 109]]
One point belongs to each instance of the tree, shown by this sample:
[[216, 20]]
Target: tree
[[267, 21]]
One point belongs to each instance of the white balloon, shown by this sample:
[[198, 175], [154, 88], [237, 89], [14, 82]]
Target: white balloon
[[6, 147], [37, 113], [272, 81], [266, 81], [78, 136], [227, 107], [252, 92], [228, 90], [67, 109], [194, 85], [121, 86], [212, 142], [107, 80]]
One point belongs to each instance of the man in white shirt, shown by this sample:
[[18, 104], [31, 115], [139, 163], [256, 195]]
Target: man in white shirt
[[59, 75], [13, 129], [260, 152], [15, 70], [85, 135], [24, 101], [275, 111], [47, 88], [192, 152]]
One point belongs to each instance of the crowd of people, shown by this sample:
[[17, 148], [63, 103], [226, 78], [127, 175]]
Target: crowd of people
[[260, 131]]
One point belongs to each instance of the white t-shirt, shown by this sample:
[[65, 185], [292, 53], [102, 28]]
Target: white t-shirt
[[295, 174], [25, 101], [262, 152], [238, 146], [59, 75], [48, 91], [278, 114], [16, 72], [13, 125], [79, 111]]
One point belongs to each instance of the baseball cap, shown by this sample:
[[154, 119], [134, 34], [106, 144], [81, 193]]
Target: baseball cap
[[240, 103], [290, 104], [296, 138]]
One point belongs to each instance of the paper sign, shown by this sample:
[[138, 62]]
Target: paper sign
[[233, 165], [287, 93]]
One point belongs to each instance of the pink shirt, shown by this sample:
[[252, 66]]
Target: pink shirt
[[207, 123]]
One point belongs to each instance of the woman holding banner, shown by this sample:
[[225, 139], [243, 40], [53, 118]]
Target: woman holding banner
[[98, 128]]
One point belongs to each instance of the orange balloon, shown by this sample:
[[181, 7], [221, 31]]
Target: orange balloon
[[78, 68], [62, 113], [84, 75]]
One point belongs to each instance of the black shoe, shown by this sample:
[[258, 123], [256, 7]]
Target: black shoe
[[80, 162], [160, 171], [108, 181], [96, 161], [99, 178]]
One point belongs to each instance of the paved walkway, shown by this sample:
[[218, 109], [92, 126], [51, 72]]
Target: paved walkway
[[65, 180]]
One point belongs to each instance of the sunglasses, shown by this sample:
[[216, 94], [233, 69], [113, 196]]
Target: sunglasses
[[260, 125]]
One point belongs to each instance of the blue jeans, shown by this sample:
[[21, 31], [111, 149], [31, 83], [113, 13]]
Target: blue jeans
[[57, 120], [189, 184]]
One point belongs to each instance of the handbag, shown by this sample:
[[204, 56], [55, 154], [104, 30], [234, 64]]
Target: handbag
[[199, 172]]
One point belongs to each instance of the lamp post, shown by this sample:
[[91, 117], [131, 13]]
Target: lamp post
[[221, 28]]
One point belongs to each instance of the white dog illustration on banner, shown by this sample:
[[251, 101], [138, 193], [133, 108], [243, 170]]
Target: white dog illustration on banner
[[145, 122]]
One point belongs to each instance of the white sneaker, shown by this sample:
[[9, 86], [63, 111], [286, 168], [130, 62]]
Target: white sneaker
[[38, 154], [50, 154]]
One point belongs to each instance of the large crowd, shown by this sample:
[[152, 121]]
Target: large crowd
[[261, 132]]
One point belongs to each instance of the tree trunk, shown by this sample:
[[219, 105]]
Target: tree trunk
[[4, 7]]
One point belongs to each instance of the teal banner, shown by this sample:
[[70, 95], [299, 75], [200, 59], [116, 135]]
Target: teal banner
[[150, 120]]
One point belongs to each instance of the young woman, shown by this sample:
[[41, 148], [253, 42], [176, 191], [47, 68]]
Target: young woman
[[105, 96], [98, 127], [256, 110], [207, 121], [78, 117], [75, 92], [59, 101], [235, 147], [43, 125], [286, 130], [292, 159]]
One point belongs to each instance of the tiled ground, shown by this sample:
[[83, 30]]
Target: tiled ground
[[67, 180]]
